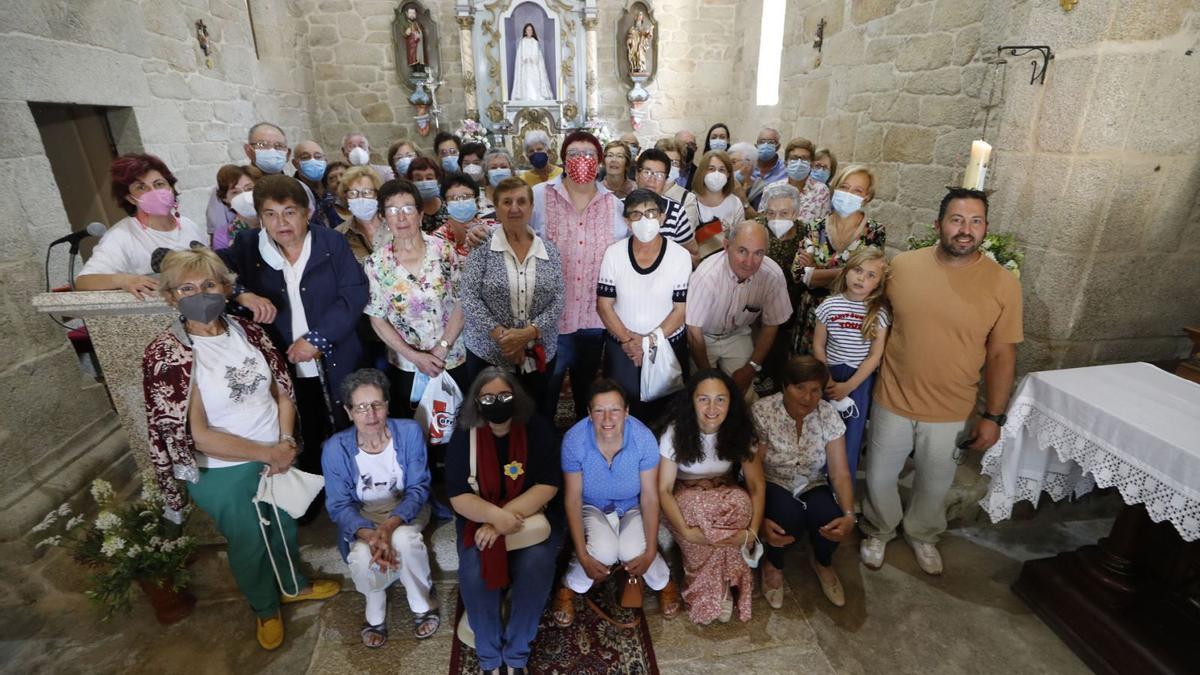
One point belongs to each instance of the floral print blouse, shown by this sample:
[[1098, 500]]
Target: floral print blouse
[[793, 458], [418, 306]]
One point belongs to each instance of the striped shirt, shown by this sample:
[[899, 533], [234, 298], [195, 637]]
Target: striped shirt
[[719, 304], [675, 225], [843, 320]]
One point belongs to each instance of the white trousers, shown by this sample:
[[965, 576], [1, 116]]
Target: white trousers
[[413, 571], [611, 539]]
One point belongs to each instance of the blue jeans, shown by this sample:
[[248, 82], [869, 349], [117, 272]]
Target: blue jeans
[[855, 426], [531, 571], [808, 514], [580, 353]]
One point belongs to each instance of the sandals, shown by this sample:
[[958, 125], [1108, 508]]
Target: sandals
[[774, 596], [669, 601], [371, 633], [432, 617], [564, 607]]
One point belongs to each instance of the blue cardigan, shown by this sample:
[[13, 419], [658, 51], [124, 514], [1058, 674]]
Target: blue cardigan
[[341, 475], [334, 291]]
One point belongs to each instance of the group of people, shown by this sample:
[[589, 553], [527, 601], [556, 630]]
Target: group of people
[[317, 309]]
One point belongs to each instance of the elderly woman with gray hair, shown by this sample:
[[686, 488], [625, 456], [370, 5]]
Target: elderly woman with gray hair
[[377, 492], [537, 151], [220, 413]]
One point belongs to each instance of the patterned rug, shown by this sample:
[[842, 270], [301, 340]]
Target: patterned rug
[[590, 646]]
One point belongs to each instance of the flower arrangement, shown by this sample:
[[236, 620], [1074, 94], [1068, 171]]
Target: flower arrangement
[[600, 129], [124, 543], [1001, 247], [471, 131]]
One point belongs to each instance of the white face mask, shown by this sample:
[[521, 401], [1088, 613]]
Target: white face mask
[[779, 227], [845, 203], [715, 181], [243, 204], [363, 208], [474, 171], [645, 229], [359, 157], [673, 175]]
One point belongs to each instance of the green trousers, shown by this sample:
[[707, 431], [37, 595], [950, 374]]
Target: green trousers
[[225, 494]]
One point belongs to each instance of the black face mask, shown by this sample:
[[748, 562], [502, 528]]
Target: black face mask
[[202, 307], [498, 412], [689, 155]]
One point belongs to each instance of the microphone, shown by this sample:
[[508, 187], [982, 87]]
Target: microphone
[[92, 230]]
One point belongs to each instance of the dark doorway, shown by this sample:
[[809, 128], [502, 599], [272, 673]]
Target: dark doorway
[[79, 144]]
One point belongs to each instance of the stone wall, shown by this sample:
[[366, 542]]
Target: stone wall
[[1095, 171], [143, 59]]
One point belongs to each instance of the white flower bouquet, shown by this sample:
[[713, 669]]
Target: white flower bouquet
[[123, 543], [471, 131]]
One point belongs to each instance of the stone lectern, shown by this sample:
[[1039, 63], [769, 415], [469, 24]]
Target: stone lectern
[[120, 327]]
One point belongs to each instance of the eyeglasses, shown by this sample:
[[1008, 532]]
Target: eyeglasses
[[766, 140], [448, 152], [648, 213], [206, 286], [492, 399], [267, 145], [656, 175], [393, 211], [355, 194], [572, 154], [364, 408], [460, 198], [310, 155]]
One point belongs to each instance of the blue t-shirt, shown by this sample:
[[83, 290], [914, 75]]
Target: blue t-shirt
[[610, 488]]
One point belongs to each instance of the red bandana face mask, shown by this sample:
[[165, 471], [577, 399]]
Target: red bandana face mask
[[582, 169]]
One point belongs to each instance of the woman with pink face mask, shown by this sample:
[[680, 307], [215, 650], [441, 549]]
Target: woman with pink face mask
[[145, 188]]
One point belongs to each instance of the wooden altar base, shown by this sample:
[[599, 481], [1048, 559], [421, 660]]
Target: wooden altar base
[[1123, 605]]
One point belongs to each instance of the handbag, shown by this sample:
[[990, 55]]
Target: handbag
[[631, 594], [437, 412], [534, 530], [293, 491], [661, 372]]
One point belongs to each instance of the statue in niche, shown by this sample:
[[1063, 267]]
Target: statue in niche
[[638, 40], [530, 81], [414, 41]]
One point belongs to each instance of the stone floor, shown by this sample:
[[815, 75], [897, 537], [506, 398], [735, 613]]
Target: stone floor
[[897, 619]]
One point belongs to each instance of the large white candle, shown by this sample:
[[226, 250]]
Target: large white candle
[[976, 171]]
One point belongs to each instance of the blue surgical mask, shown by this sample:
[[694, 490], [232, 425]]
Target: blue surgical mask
[[539, 160], [312, 169], [673, 175], [402, 166], [363, 208], [739, 176], [463, 210], [797, 169], [450, 163], [718, 144], [633, 149], [845, 203], [497, 175], [427, 188], [820, 174], [270, 161], [766, 152]]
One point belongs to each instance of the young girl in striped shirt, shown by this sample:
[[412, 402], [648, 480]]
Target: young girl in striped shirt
[[851, 329]]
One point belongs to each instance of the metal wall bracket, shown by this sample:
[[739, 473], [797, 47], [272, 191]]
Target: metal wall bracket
[[1039, 74]]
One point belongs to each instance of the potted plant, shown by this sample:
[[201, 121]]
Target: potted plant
[[1000, 246], [126, 542]]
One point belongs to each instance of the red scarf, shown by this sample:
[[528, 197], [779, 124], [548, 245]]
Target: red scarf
[[499, 491]]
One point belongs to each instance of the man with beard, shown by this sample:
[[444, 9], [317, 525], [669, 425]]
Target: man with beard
[[955, 312]]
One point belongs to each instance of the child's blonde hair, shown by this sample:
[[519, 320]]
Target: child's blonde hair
[[875, 300]]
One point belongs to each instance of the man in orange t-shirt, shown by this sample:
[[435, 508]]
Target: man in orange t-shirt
[[955, 313]]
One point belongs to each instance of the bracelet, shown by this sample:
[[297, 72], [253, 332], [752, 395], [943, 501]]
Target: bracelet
[[287, 437]]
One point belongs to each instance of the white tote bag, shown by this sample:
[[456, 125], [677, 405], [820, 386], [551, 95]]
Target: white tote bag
[[661, 372], [438, 409], [292, 491]]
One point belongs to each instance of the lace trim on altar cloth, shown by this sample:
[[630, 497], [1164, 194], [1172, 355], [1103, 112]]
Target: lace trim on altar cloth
[[1092, 464]]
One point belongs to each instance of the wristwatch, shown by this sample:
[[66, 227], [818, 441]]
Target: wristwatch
[[998, 419], [757, 368], [443, 344]]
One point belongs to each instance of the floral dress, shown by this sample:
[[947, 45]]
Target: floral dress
[[418, 306], [824, 258]]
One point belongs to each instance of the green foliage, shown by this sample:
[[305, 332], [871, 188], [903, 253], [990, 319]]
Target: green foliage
[[999, 246], [124, 542]]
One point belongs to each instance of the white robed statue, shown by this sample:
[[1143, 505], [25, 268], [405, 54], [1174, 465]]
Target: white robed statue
[[530, 82]]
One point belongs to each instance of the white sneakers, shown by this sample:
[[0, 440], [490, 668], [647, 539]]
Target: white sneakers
[[928, 558], [871, 551]]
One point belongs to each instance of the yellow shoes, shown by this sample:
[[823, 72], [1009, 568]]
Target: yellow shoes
[[321, 589], [270, 632]]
